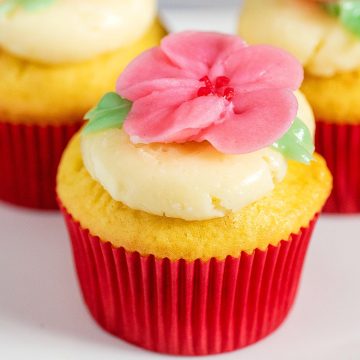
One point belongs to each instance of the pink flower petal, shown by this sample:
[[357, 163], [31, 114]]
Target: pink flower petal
[[151, 71], [164, 84], [193, 116], [149, 122], [260, 118], [263, 67], [199, 51], [146, 88], [149, 116]]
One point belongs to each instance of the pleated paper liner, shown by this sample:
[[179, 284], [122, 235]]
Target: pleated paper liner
[[340, 146], [188, 308], [29, 157]]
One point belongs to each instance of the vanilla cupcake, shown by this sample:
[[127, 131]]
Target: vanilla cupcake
[[325, 37], [56, 58], [191, 194]]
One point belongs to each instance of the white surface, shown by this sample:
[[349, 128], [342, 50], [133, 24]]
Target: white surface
[[42, 315], [197, 3], [207, 19]]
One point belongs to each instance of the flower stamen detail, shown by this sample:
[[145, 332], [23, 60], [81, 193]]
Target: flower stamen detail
[[204, 91], [229, 93], [220, 82], [207, 82]]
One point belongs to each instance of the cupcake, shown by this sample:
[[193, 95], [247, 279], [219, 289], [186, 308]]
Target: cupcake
[[191, 194], [57, 57], [325, 37]]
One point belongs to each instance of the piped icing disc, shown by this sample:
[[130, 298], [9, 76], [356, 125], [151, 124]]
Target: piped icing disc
[[72, 31], [320, 41], [191, 181]]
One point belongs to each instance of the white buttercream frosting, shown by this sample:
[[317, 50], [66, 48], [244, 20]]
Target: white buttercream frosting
[[74, 30], [322, 44], [190, 181]]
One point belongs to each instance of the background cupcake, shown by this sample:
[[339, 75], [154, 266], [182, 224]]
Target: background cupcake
[[180, 190], [56, 59], [325, 37]]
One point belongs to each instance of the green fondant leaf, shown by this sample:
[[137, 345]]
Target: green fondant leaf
[[297, 143], [332, 9], [8, 6], [35, 4], [350, 16], [110, 112], [348, 12]]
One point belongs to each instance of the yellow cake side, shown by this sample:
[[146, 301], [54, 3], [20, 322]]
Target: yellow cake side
[[34, 93], [335, 99], [292, 204]]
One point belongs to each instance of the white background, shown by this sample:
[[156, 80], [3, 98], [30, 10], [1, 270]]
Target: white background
[[194, 3], [42, 315]]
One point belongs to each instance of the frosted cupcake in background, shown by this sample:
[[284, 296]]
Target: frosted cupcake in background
[[191, 194], [325, 37], [56, 59]]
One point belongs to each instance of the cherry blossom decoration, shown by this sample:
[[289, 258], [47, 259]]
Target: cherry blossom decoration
[[200, 86]]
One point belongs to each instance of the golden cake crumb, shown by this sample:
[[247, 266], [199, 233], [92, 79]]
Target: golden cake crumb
[[292, 205], [335, 99]]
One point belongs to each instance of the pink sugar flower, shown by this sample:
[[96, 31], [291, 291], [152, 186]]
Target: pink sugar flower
[[200, 86]]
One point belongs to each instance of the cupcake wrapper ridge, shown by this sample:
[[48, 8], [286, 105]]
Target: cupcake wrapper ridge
[[188, 307], [340, 146], [29, 157]]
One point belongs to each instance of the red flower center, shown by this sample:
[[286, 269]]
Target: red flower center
[[220, 88]]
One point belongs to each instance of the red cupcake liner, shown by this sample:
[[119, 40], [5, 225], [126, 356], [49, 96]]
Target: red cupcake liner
[[340, 146], [29, 157], [188, 307]]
